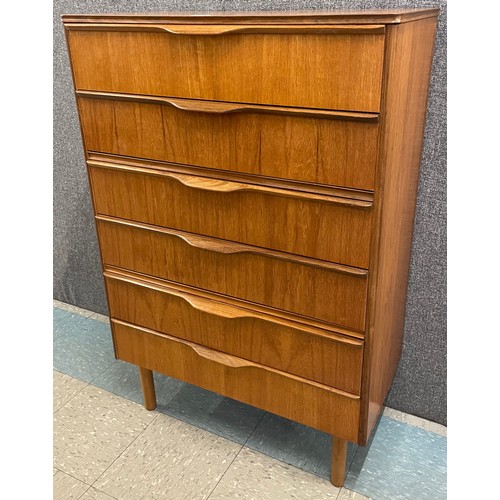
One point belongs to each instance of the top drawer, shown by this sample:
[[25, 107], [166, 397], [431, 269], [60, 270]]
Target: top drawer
[[330, 67]]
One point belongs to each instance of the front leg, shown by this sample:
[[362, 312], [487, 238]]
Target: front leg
[[148, 388], [339, 456]]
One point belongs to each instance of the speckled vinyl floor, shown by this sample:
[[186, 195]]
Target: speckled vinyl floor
[[199, 445]]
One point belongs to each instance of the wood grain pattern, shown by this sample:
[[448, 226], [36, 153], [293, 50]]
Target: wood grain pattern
[[307, 402], [202, 179], [332, 360], [96, 158], [408, 64], [322, 293], [205, 182], [340, 72], [278, 315], [316, 16], [221, 107], [318, 229], [230, 247], [324, 151]]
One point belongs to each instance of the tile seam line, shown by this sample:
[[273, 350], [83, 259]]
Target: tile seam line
[[71, 398], [76, 479], [124, 450], [237, 455], [130, 444], [225, 472], [85, 492], [100, 491], [157, 414]]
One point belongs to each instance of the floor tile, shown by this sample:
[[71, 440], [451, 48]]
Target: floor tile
[[83, 349], [73, 309], [416, 421], [123, 379], [346, 494], [402, 462], [255, 476], [169, 460], [215, 413], [93, 429], [64, 320], [93, 494], [65, 387], [67, 487], [296, 444]]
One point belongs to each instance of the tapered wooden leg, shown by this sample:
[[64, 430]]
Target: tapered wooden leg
[[148, 388], [339, 456]]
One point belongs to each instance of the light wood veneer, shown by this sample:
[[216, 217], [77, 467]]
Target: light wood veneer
[[323, 356], [317, 226], [307, 287], [327, 67], [292, 143]]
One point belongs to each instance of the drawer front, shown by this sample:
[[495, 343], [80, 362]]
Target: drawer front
[[303, 401], [332, 360], [310, 225], [319, 150], [320, 293], [341, 71]]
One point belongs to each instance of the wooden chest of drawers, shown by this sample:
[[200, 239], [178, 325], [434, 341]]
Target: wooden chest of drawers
[[254, 180]]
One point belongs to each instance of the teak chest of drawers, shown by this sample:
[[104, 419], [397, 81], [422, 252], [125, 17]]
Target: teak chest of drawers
[[254, 180]]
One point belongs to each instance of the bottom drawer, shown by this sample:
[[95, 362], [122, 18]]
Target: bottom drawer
[[307, 402], [332, 360]]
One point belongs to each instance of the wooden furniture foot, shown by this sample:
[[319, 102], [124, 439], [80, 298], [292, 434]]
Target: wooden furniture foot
[[148, 388], [339, 456]]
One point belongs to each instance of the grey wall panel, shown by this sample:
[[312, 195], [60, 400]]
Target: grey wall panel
[[420, 383]]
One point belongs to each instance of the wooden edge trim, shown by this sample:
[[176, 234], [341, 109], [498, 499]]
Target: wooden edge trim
[[223, 107], [229, 247], [302, 17], [279, 314], [224, 29], [224, 186], [296, 185], [233, 361], [244, 311]]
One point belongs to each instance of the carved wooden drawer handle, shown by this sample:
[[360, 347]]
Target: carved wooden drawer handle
[[194, 29], [222, 107], [211, 244], [220, 311], [206, 184], [223, 186], [212, 107], [219, 357], [221, 29], [231, 247]]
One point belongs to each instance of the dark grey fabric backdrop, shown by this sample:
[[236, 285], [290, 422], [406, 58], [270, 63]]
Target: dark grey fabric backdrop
[[420, 384]]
